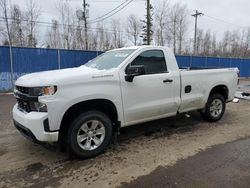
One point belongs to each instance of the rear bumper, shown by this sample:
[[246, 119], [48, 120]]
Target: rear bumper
[[31, 125]]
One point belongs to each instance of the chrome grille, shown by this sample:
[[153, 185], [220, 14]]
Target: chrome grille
[[21, 89], [23, 105]]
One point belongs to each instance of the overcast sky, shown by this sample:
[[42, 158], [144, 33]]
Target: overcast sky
[[220, 15]]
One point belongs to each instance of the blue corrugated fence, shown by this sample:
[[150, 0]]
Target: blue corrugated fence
[[28, 60]]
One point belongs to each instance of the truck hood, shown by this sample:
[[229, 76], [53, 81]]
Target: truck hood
[[63, 76]]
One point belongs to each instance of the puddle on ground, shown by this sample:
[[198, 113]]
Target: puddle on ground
[[35, 167]]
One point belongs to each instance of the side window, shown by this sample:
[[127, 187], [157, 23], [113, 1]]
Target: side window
[[153, 61]]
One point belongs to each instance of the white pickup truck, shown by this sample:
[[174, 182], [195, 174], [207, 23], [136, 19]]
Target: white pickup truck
[[84, 107]]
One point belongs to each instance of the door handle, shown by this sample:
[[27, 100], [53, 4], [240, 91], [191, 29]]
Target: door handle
[[167, 81]]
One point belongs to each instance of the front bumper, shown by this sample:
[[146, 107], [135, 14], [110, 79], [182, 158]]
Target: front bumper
[[31, 125]]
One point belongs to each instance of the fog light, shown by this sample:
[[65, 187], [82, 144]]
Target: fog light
[[40, 107]]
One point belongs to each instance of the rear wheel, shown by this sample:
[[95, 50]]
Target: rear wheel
[[90, 134], [215, 108]]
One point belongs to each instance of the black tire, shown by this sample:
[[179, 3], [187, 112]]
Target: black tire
[[73, 133], [210, 116]]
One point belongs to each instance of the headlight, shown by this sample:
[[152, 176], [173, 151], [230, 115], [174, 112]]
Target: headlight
[[48, 90]]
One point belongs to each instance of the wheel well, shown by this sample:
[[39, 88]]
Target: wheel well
[[105, 106], [221, 89]]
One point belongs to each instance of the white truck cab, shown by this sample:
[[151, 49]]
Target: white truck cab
[[84, 106]]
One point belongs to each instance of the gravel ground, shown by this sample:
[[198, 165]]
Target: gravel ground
[[225, 165], [139, 150]]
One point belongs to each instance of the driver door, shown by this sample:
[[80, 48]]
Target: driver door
[[149, 96]]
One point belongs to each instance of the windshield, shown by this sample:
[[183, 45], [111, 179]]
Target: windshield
[[109, 60]]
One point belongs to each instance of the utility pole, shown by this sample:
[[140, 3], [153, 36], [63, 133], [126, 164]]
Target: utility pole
[[5, 7], [85, 23], [148, 23], [196, 15]]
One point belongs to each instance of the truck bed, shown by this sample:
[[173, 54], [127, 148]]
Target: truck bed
[[201, 80]]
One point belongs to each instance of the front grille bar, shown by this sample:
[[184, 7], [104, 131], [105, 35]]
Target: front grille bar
[[24, 99]]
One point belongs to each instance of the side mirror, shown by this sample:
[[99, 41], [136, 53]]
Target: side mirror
[[133, 71]]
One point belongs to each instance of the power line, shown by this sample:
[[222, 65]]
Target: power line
[[109, 11], [49, 24], [223, 21], [121, 8]]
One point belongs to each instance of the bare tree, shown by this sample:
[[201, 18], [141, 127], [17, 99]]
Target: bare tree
[[177, 25], [187, 50], [107, 45], [199, 40], [32, 14], [214, 45], [1, 32], [161, 17], [78, 39], [93, 39], [235, 44], [133, 28], [182, 26], [53, 36], [246, 47], [207, 43], [16, 26], [4, 7], [66, 20], [172, 25], [104, 37], [62, 9], [117, 34], [224, 44], [101, 36]]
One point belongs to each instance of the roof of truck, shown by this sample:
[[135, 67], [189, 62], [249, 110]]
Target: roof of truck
[[138, 47]]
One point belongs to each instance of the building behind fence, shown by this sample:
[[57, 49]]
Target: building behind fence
[[28, 60]]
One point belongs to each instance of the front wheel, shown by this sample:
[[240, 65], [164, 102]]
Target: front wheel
[[214, 108], [89, 134]]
